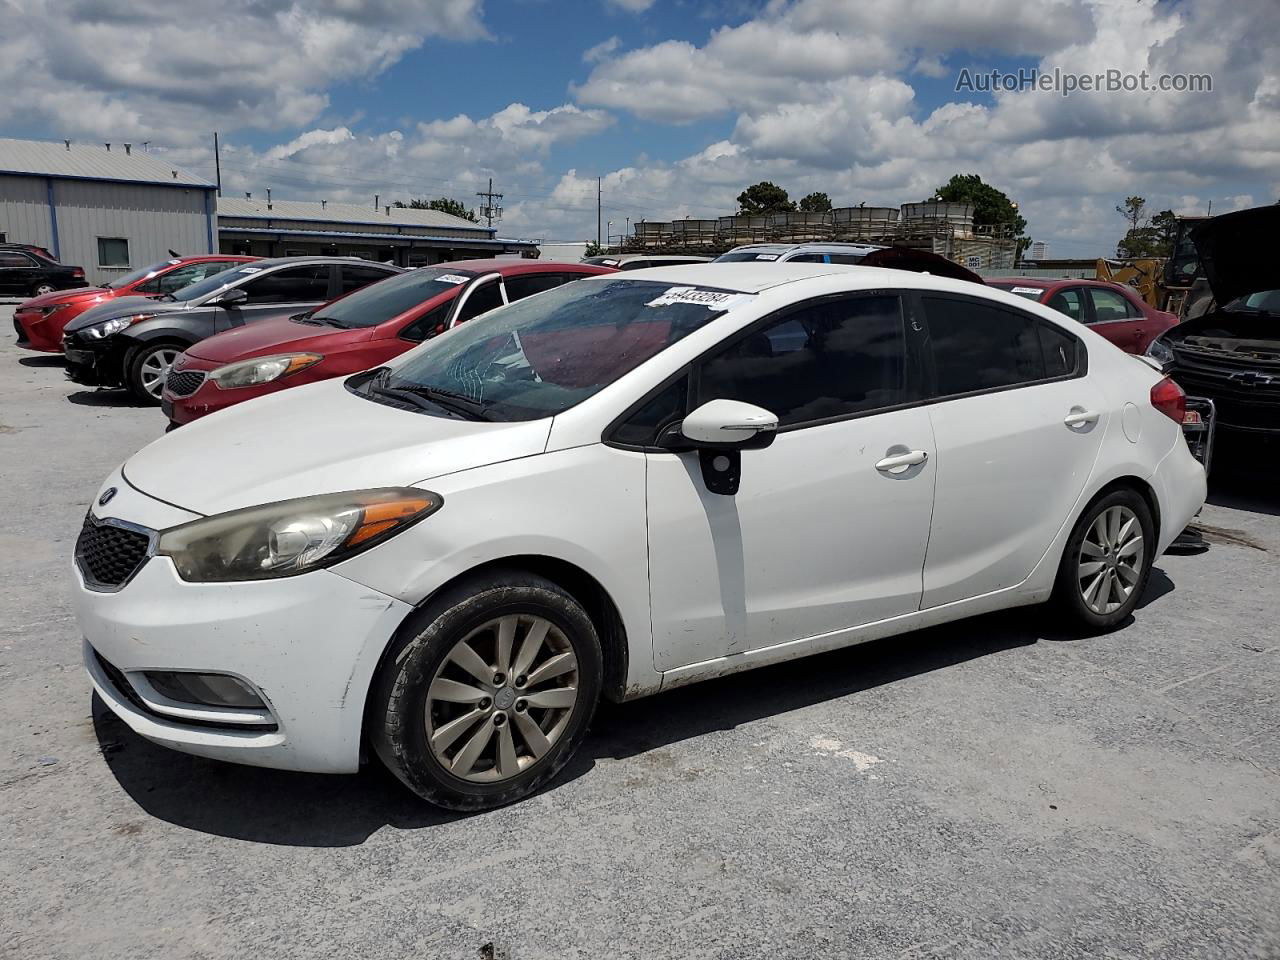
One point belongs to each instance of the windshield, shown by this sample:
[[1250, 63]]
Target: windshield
[[389, 298], [1031, 293], [542, 355], [218, 281], [133, 276], [1264, 301], [736, 256]]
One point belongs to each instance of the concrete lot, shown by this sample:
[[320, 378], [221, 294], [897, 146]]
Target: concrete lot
[[986, 789]]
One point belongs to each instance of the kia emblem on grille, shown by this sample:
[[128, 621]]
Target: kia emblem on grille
[[1252, 378], [107, 494]]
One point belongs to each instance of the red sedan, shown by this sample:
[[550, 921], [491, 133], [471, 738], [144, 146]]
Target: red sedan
[[40, 321], [350, 334], [1110, 309]]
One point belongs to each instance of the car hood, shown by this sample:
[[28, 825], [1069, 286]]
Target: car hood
[[1237, 252], [918, 261], [278, 335], [318, 438], [76, 295], [1234, 336], [123, 307]]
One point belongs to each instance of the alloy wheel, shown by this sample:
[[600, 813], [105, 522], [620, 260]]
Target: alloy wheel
[[155, 368], [1110, 562], [502, 698], [44, 288]]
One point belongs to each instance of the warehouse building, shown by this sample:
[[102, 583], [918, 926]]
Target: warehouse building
[[390, 234], [107, 208]]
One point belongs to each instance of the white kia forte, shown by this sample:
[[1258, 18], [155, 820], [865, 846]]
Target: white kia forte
[[609, 489]]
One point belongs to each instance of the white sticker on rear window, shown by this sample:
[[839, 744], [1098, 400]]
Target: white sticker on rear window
[[452, 278], [250, 269], [766, 256], [711, 299], [1036, 290], [175, 262]]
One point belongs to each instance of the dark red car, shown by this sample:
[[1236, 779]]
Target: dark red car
[[41, 320], [1109, 309], [353, 333]]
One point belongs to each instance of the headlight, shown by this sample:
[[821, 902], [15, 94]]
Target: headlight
[[53, 308], [1160, 352], [109, 328], [246, 373], [292, 536]]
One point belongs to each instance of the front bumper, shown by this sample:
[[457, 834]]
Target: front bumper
[[309, 645], [41, 331], [94, 363]]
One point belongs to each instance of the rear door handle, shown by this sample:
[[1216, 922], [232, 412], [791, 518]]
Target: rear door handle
[[900, 462], [1078, 416]]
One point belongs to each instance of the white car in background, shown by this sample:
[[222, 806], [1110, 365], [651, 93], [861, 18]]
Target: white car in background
[[613, 488]]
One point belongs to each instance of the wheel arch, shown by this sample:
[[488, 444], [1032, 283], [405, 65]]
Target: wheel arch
[[1139, 486]]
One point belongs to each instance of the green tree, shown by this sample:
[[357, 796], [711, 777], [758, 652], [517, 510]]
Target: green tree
[[764, 197], [594, 250], [815, 203], [443, 204], [1145, 237], [991, 207]]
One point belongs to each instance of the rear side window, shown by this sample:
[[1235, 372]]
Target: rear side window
[[828, 359], [979, 347], [530, 283], [8, 259]]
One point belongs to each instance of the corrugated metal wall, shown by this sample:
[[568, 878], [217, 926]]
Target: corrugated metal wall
[[24, 210], [153, 219]]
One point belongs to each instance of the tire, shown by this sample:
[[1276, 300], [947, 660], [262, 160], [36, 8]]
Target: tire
[[424, 716], [40, 289], [1099, 584], [146, 367]]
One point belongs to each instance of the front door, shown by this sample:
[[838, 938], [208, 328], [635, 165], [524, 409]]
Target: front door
[[829, 527], [1018, 429], [280, 293]]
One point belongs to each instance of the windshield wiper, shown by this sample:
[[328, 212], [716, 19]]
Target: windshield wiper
[[329, 321], [453, 402]]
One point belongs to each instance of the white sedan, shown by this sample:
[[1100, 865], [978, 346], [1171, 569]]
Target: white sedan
[[610, 489]]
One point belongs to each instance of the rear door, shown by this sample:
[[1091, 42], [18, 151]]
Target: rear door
[[825, 532], [1018, 427]]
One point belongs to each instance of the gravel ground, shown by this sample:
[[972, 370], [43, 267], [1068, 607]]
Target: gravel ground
[[985, 789]]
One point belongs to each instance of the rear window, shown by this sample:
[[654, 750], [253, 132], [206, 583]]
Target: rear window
[[740, 256], [389, 298]]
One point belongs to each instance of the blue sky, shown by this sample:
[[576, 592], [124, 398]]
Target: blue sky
[[676, 105]]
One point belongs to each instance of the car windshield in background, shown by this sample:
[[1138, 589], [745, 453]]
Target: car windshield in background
[[1264, 301], [133, 276], [540, 356], [388, 298], [1031, 293], [211, 284], [743, 255]]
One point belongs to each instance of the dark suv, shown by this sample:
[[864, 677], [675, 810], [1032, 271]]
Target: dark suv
[[25, 271], [132, 341]]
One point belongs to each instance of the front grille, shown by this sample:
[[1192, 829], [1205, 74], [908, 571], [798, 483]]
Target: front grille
[[183, 383], [108, 554], [1239, 405]]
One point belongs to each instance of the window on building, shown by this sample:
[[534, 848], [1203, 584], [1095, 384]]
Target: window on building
[[829, 359], [113, 252]]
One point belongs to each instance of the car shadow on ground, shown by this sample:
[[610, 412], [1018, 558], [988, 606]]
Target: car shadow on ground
[[270, 806], [44, 360], [106, 398]]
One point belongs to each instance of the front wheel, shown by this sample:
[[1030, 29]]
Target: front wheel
[[1107, 561], [146, 370], [488, 693]]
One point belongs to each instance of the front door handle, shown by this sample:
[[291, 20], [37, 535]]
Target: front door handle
[[1079, 416], [900, 463]]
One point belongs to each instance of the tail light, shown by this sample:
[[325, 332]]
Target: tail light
[[1169, 399], [77, 272]]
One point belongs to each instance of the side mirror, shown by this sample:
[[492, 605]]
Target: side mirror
[[230, 298], [720, 430]]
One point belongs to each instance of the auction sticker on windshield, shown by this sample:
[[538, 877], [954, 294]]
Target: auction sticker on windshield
[[711, 299], [1036, 291]]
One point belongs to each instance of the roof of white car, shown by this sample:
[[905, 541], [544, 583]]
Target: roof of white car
[[749, 277]]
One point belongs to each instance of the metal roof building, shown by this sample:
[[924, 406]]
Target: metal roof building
[[109, 209], [400, 235]]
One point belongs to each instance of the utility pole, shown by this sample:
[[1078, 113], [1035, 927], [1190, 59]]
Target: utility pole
[[217, 161], [490, 210], [597, 211]]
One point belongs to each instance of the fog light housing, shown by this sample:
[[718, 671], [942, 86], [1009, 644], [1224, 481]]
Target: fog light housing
[[204, 689]]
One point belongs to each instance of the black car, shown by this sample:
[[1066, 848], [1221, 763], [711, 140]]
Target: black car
[[1230, 353], [27, 271], [132, 341]]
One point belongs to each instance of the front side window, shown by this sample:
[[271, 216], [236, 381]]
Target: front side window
[[486, 297], [829, 359], [175, 279], [430, 324], [539, 356], [979, 347], [290, 285], [215, 282], [642, 428], [1108, 305], [113, 252]]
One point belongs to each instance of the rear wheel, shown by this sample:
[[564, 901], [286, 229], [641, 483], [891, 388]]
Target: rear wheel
[[1107, 561], [488, 693], [40, 289], [147, 368]]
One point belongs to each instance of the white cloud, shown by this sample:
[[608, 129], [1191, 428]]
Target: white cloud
[[600, 50], [630, 6]]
